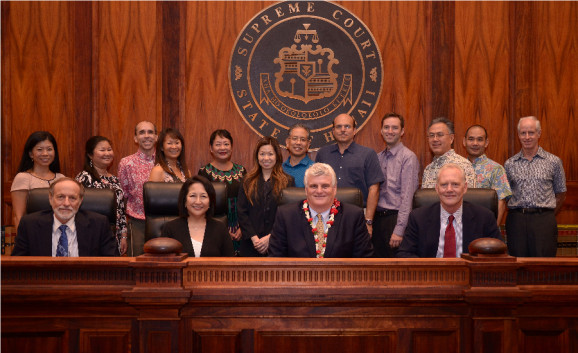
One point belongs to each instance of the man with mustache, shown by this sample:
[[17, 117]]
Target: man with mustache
[[133, 172], [446, 228], [489, 174], [538, 192], [355, 165], [440, 136], [64, 231]]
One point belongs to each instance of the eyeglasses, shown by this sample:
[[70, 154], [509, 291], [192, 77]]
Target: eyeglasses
[[439, 135], [297, 138]]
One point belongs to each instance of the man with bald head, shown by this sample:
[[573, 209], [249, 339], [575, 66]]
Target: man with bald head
[[355, 165], [133, 172], [446, 228], [538, 191]]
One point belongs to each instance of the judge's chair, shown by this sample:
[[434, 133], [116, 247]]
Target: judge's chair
[[161, 205], [481, 197], [96, 200], [345, 194]]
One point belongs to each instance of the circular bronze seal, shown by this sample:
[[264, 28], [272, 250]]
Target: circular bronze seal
[[304, 62]]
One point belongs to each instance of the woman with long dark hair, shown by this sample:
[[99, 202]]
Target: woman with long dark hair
[[170, 165], [260, 195], [98, 158], [39, 167]]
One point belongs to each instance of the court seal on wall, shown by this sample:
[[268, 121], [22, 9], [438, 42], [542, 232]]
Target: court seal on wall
[[304, 62]]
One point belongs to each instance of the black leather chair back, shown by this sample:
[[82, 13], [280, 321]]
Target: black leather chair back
[[345, 194], [481, 197], [101, 201], [161, 205]]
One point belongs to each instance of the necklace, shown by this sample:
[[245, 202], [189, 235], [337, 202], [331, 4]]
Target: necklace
[[321, 243]]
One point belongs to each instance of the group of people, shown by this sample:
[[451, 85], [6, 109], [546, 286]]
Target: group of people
[[532, 187]]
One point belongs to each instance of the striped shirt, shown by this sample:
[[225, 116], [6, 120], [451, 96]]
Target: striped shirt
[[535, 182]]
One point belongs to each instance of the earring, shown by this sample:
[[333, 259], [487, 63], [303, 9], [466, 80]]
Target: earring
[[91, 164]]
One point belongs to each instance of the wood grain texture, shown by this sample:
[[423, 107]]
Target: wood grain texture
[[481, 73], [85, 68]]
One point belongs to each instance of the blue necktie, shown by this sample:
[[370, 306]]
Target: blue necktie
[[62, 248]]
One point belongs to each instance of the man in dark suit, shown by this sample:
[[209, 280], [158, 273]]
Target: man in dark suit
[[320, 226], [65, 231], [446, 228]]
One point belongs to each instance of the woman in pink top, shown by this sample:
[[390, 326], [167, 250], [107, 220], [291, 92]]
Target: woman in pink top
[[39, 167]]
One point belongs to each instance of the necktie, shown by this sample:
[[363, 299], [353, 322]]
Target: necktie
[[450, 239], [320, 237], [62, 248]]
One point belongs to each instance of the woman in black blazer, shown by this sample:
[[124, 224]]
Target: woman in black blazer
[[200, 234], [259, 195]]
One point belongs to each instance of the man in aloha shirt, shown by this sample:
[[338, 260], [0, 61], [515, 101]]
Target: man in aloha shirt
[[440, 137], [489, 174], [133, 172]]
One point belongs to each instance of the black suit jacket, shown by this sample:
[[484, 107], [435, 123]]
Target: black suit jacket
[[258, 218], [94, 235], [421, 238], [217, 241], [292, 235]]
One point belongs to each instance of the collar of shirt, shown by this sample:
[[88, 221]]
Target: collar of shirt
[[443, 157], [392, 151], [287, 162], [350, 149], [540, 153], [324, 216], [480, 160], [140, 154], [70, 233]]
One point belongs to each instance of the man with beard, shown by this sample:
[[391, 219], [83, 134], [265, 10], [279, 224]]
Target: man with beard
[[446, 228], [320, 226], [64, 231]]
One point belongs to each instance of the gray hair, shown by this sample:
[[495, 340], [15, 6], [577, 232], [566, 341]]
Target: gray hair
[[448, 122], [302, 126], [319, 169], [538, 126], [51, 188], [451, 166]]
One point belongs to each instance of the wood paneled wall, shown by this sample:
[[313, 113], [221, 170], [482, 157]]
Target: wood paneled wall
[[83, 68]]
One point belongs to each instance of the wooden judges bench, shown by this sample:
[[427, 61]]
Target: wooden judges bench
[[160, 304]]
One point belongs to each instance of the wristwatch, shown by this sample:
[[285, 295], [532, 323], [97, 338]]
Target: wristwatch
[[369, 222]]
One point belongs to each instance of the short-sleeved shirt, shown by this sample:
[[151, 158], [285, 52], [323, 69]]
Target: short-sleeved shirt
[[491, 175], [356, 167], [298, 171], [400, 168], [430, 174], [133, 172], [27, 181], [535, 182]]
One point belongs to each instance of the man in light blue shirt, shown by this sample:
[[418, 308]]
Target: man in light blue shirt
[[298, 144]]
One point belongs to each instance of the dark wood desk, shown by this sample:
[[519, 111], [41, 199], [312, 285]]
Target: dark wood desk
[[259, 305]]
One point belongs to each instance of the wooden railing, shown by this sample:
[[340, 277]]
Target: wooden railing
[[166, 304]]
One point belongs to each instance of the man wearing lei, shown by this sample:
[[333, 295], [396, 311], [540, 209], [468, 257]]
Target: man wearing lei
[[320, 226]]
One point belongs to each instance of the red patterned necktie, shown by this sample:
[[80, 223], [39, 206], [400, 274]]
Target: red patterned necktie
[[450, 239]]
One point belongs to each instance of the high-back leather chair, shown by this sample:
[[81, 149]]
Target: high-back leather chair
[[101, 201], [345, 194], [161, 205], [481, 197]]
